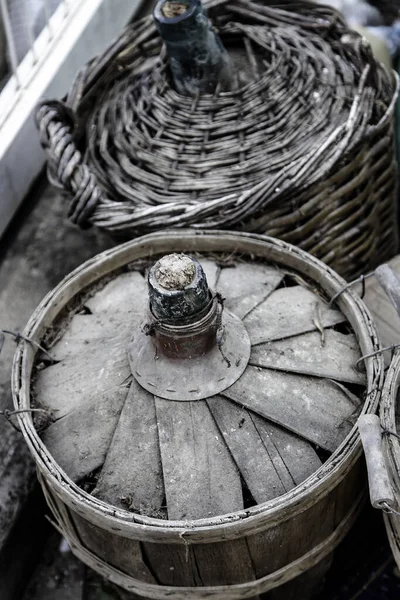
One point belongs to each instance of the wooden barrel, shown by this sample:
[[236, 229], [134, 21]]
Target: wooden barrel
[[252, 487], [390, 421]]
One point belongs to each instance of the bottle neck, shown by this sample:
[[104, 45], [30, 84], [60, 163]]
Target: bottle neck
[[199, 62]]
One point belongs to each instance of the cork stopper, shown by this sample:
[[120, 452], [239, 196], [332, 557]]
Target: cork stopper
[[178, 290]]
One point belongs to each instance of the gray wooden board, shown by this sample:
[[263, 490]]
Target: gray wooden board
[[288, 312], [200, 477], [76, 380], [173, 564], [119, 552], [80, 441], [88, 332], [211, 270], [313, 408], [225, 562], [307, 354], [271, 460], [248, 450], [117, 309], [294, 458], [125, 294], [246, 285], [132, 474]]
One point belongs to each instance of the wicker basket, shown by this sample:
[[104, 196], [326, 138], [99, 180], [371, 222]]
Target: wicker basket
[[303, 149]]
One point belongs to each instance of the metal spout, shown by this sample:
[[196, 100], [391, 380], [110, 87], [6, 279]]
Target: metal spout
[[198, 60]]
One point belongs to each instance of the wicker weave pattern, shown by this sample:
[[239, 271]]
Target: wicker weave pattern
[[303, 149]]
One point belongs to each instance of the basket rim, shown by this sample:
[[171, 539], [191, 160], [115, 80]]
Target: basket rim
[[222, 527]]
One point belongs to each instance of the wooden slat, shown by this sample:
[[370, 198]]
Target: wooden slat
[[246, 285], [71, 383], [211, 270], [117, 309], [86, 333], [294, 457], [335, 358], [125, 294], [119, 552], [79, 442], [261, 473], [225, 562], [132, 474], [288, 312], [313, 408], [173, 564], [200, 477]]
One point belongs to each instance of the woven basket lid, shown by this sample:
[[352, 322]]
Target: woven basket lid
[[230, 387]]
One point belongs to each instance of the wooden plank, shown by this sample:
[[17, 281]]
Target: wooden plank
[[211, 270], [172, 564], [126, 294], [258, 469], [288, 312], [315, 409], [117, 309], [225, 563], [294, 457], [246, 285], [119, 552], [335, 358], [200, 478], [278, 546], [132, 476], [75, 381], [79, 442]]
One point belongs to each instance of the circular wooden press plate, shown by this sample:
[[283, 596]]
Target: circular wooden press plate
[[255, 440]]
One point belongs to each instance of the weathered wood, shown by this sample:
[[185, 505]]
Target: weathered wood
[[270, 460], [132, 476], [313, 408], [117, 551], [172, 564], [246, 285], [211, 270], [126, 294], [294, 458], [300, 528], [249, 522], [75, 381], [336, 358], [227, 561], [79, 441], [200, 477], [288, 312], [117, 309]]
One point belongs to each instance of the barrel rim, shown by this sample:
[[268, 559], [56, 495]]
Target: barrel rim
[[222, 527]]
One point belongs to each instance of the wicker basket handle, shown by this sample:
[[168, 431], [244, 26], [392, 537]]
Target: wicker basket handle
[[380, 487], [66, 168]]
